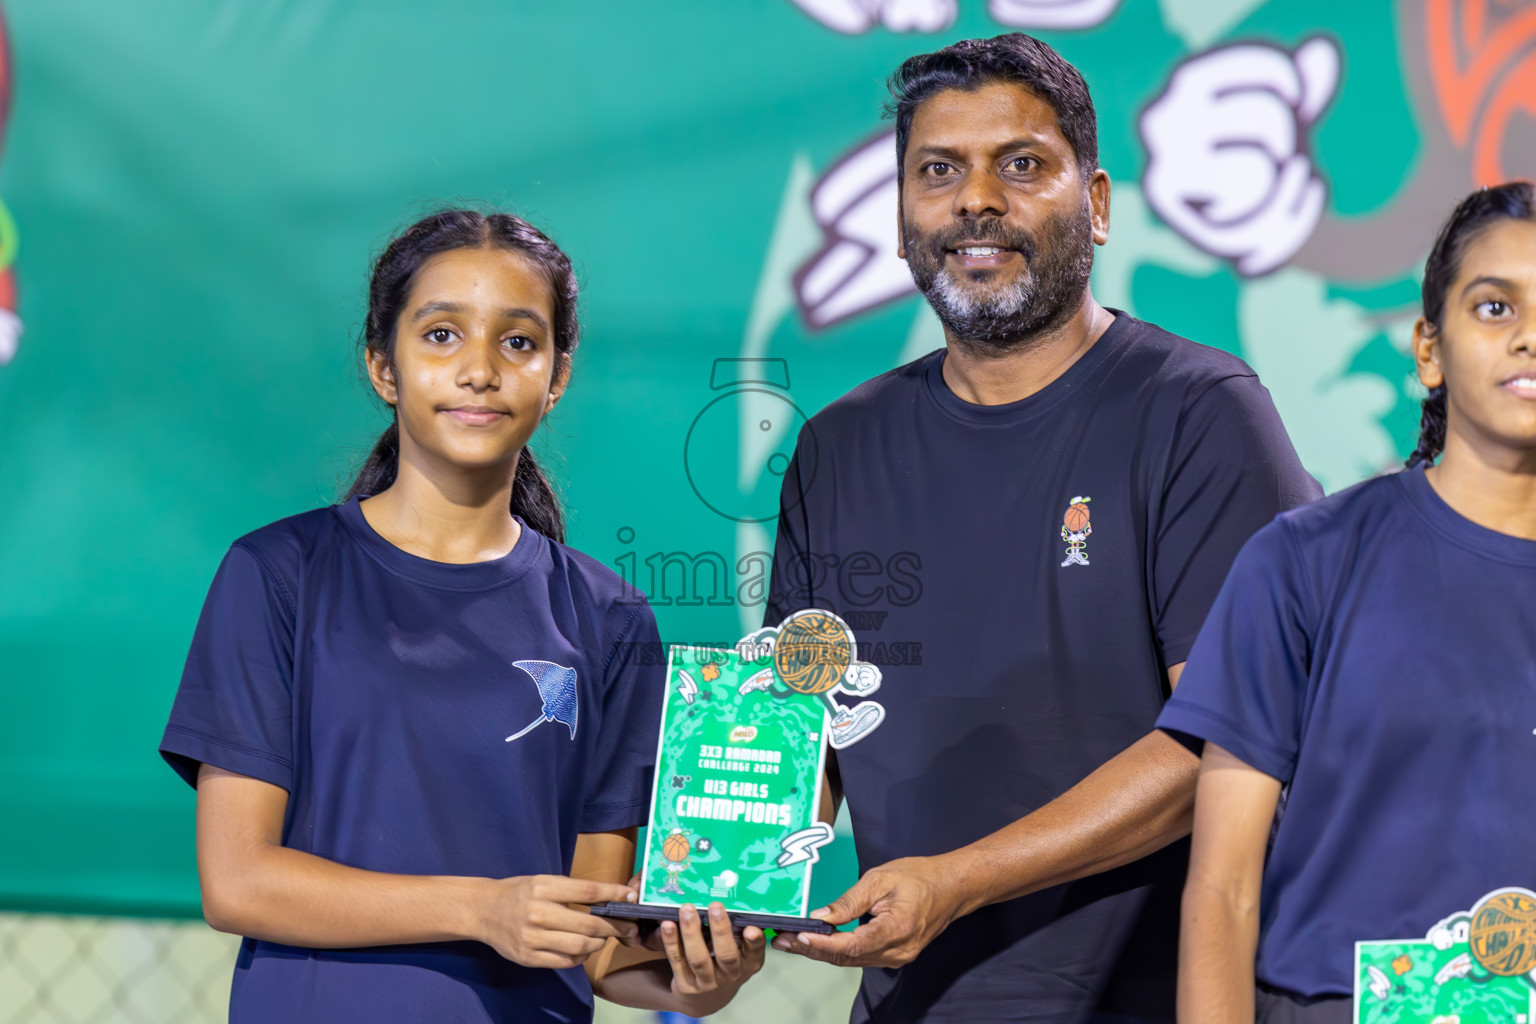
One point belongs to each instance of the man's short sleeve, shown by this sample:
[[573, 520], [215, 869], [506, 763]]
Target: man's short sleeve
[[618, 788], [1245, 685], [234, 709], [1233, 470]]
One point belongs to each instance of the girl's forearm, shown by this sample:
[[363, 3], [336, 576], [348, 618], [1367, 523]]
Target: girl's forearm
[[1218, 940], [1219, 932], [645, 986], [643, 979], [648, 986], [284, 895]]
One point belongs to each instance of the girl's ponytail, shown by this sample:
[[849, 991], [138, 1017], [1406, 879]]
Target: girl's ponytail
[[1431, 429], [379, 471], [534, 499]]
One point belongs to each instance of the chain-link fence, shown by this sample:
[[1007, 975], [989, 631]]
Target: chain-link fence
[[90, 970]]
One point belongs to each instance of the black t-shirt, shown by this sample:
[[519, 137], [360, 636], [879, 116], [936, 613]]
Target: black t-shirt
[[1024, 574]]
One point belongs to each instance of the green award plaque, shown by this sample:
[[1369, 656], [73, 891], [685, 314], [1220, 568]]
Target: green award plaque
[[744, 734], [1474, 967]]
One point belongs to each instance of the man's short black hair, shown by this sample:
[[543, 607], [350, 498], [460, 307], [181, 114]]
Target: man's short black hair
[[1015, 57]]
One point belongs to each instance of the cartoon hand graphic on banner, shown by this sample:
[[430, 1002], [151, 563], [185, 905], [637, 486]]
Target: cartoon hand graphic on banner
[[856, 267], [1228, 165], [1052, 13], [854, 16]]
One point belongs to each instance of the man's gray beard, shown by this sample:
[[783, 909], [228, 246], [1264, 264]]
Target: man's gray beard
[[998, 318], [1010, 317]]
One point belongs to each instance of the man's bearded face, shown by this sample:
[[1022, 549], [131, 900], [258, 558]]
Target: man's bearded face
[[1006, 307]]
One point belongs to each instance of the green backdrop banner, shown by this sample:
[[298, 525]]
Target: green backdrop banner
[[197, 189]]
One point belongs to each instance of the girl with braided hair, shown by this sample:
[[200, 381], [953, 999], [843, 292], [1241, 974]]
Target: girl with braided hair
[[1374, 654], [421, 728]]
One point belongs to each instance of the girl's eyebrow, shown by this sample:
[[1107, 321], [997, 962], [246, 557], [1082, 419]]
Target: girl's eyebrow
[[1497, 282], [516, 313]]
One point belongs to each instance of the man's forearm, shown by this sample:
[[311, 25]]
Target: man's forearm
[[1138, 802]]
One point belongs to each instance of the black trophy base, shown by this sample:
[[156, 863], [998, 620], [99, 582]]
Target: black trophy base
[[653, 912]]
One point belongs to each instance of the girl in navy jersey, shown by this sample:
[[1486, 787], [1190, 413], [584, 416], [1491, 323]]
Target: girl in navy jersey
[[420, 727], [1374, 653]]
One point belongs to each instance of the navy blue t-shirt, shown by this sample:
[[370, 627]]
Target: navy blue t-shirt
[[379, 689], [1375, 653], [1019, 654]]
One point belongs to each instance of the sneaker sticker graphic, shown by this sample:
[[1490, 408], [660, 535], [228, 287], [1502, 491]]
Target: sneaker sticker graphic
[[1075, 530]]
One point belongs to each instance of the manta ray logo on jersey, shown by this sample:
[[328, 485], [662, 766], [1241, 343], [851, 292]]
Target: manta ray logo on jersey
[[557, 691]]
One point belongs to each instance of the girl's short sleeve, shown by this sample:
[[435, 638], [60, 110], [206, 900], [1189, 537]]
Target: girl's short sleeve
[[618, 789], [234, 709], [1246, 684]]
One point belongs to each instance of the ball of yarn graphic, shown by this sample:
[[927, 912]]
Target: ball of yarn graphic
[[813, 652], [1502, 936]]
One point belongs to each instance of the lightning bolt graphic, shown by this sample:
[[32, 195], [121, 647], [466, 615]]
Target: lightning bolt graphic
[[804, 845], [1379, 985], [686, 686]]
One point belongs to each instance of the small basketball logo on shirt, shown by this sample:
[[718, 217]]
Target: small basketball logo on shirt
[[1075, 530]]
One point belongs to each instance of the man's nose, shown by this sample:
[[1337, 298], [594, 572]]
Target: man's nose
[[980, 194]]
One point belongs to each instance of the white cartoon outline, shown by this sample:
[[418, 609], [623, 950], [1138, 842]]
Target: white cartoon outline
[[855, 17], [1227, 139], [856, 269]]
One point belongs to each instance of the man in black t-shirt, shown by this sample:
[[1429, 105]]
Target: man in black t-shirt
[[1026, 529]]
